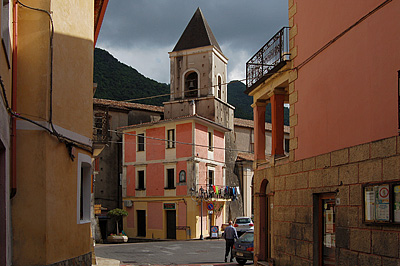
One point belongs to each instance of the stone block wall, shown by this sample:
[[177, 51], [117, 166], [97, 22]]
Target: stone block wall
[[295, 186]]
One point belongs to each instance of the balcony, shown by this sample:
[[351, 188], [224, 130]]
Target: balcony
[[268, 60]]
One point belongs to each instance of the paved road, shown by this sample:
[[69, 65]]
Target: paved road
[[166, 252]]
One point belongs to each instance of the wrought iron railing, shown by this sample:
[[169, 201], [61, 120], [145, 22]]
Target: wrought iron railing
[[268, 59], [101, 133]]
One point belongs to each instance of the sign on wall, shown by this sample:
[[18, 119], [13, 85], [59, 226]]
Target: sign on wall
[[381, 203], [169, 206]]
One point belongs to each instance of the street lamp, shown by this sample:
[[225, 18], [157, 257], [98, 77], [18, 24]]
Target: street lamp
[[201, 212]]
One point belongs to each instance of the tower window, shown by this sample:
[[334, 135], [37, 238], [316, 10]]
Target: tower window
[[191, 87], [219, 87]]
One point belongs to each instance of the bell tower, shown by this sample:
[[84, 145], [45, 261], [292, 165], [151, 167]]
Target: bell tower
[[198, 73]]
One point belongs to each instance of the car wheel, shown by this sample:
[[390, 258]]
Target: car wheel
[[241, 261]]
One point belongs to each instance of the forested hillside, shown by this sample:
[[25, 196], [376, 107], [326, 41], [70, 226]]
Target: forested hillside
[[117, 81]]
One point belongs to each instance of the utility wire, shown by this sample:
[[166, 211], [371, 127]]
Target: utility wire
[[169, 94], [174, 141]]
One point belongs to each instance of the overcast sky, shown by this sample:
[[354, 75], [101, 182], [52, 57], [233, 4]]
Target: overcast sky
[[140, 33]]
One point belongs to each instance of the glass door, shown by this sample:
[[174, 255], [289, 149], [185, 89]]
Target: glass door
[[327, 236]]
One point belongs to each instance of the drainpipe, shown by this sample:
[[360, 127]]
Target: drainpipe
[[14, 102]]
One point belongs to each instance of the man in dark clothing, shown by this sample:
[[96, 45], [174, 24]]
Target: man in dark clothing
[[230, 235]]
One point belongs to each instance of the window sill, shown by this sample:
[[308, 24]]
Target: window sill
[[83, 221]]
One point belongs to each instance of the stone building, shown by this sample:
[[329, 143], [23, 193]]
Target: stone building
[[108, 116], [335, 199]]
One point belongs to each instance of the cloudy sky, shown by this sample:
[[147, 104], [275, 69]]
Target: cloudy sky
[[140, 33]]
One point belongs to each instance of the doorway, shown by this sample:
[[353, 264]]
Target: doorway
[[171, 224], [326, 230], [265, 201], [141, 223]]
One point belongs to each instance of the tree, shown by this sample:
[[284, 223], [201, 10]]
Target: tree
[[118, 214]]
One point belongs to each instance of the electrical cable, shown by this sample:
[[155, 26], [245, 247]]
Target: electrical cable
[[169, 94], [67, 141]]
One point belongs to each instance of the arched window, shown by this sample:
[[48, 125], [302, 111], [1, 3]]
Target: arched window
[[191, 88], [219, 87]]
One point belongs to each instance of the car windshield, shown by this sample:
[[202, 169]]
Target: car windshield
[[247, 237], [243, 221]]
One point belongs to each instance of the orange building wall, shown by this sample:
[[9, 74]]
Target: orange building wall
[[155, 179], [347, 95], [219, 154], [130, 180], [184, 134], [154, 218], [155, 149], [202, 175], [130, 147], [201, 135]]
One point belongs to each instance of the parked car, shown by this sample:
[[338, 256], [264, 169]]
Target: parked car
[[244, 247], [243, 224]]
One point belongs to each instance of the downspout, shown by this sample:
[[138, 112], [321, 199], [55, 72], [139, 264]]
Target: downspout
[[14, 102]]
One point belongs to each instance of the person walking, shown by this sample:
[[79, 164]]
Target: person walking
[[230, 235]]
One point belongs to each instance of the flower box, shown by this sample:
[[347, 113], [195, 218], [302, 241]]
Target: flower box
[[117, 239]]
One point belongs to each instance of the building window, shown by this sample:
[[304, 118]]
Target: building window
[[210, 178], [5, 31], [170, 178], [191, 86], [141, 180], [84, 188], [210, 140], [287, 141], [171, 138], [219, 87], [140, 141]]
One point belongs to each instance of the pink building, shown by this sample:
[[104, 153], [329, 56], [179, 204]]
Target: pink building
[[335, 199], [174, 176]]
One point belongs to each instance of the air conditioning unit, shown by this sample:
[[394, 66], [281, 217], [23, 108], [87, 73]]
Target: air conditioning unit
[[128, 203]]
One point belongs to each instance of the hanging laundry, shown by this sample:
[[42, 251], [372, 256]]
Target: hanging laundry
[[216, 190], [237, 190]]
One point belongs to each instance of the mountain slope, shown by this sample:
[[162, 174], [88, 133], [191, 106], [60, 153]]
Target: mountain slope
[[117, 81]]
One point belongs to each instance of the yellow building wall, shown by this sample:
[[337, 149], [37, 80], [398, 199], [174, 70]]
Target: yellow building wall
[[192, 218], [45, 227]]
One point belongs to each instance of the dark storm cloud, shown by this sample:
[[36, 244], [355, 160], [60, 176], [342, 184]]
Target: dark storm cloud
[[241, 27], [161, 22]]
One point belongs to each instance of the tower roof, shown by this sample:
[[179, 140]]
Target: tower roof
[[197, 34]]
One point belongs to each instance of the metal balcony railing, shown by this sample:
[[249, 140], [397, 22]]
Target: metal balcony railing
[[269, 59], [101, 133]]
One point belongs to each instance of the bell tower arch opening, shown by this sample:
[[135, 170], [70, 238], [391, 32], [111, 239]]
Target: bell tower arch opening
[[191, 80]]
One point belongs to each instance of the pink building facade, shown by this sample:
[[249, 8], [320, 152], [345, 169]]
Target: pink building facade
[[334, 200], [166, 163]]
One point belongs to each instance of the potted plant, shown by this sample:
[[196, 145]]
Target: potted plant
[[117, 214]]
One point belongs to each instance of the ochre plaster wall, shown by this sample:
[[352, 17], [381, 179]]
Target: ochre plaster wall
[[47, 177]]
